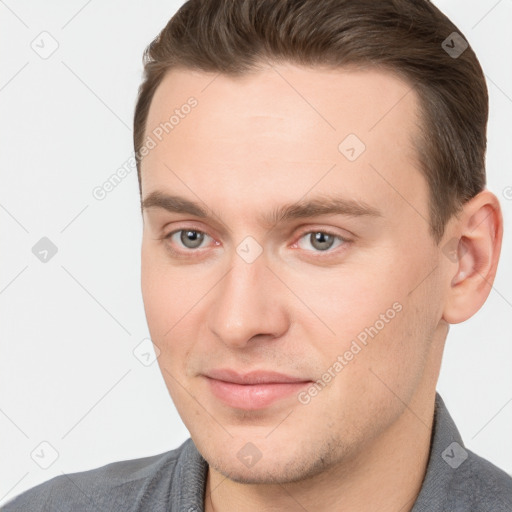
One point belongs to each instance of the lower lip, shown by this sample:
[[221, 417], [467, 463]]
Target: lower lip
[[253, 396]]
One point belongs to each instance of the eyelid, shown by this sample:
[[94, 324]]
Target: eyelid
[[328, 231]]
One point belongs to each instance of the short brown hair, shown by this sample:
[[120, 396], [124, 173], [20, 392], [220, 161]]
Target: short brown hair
[[403, 36]]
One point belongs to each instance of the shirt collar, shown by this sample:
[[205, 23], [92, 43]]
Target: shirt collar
[[447, 453]]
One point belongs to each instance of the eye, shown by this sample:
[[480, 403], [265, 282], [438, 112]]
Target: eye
[[190, 238], [322, 241]]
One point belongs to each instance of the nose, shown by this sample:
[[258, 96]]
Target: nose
[[248, 303]]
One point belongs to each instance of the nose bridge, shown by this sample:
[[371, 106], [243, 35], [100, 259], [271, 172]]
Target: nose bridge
[[245, 301]]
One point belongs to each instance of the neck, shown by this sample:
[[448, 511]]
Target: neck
[[386, 475]]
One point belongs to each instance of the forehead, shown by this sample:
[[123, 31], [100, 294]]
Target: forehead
[[284, 126]]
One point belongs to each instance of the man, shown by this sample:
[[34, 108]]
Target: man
[[315, 217]]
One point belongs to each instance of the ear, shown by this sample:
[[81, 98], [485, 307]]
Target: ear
[[473, 252]]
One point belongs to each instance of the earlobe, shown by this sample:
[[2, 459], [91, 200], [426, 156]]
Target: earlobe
[[471, 273]]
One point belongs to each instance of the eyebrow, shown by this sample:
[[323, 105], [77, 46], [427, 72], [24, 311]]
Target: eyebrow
[[317, 206]]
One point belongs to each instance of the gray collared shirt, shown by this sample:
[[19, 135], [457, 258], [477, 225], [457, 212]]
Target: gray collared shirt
[[456, 480]]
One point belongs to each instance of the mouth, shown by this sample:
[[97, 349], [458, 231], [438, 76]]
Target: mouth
[[254, 390]]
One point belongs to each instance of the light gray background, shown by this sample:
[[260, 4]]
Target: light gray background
[[69, 326]]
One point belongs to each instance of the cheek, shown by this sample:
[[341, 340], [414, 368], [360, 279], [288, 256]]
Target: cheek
[[171, 296], [378, 323], [166, 291], [352, 298], [161, 304], [160, 292], [154, 295]]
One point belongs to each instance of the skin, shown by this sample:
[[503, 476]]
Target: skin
[[252, 144]]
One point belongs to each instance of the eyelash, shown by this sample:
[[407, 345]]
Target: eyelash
[[328, 252]]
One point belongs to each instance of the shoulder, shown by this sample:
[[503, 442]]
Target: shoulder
[[145, 481], [480, 485], [458, 479]]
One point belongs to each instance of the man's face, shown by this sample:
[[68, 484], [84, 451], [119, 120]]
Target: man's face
[[351, 300]]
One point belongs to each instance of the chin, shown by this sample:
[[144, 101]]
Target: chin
[[273, 471]]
